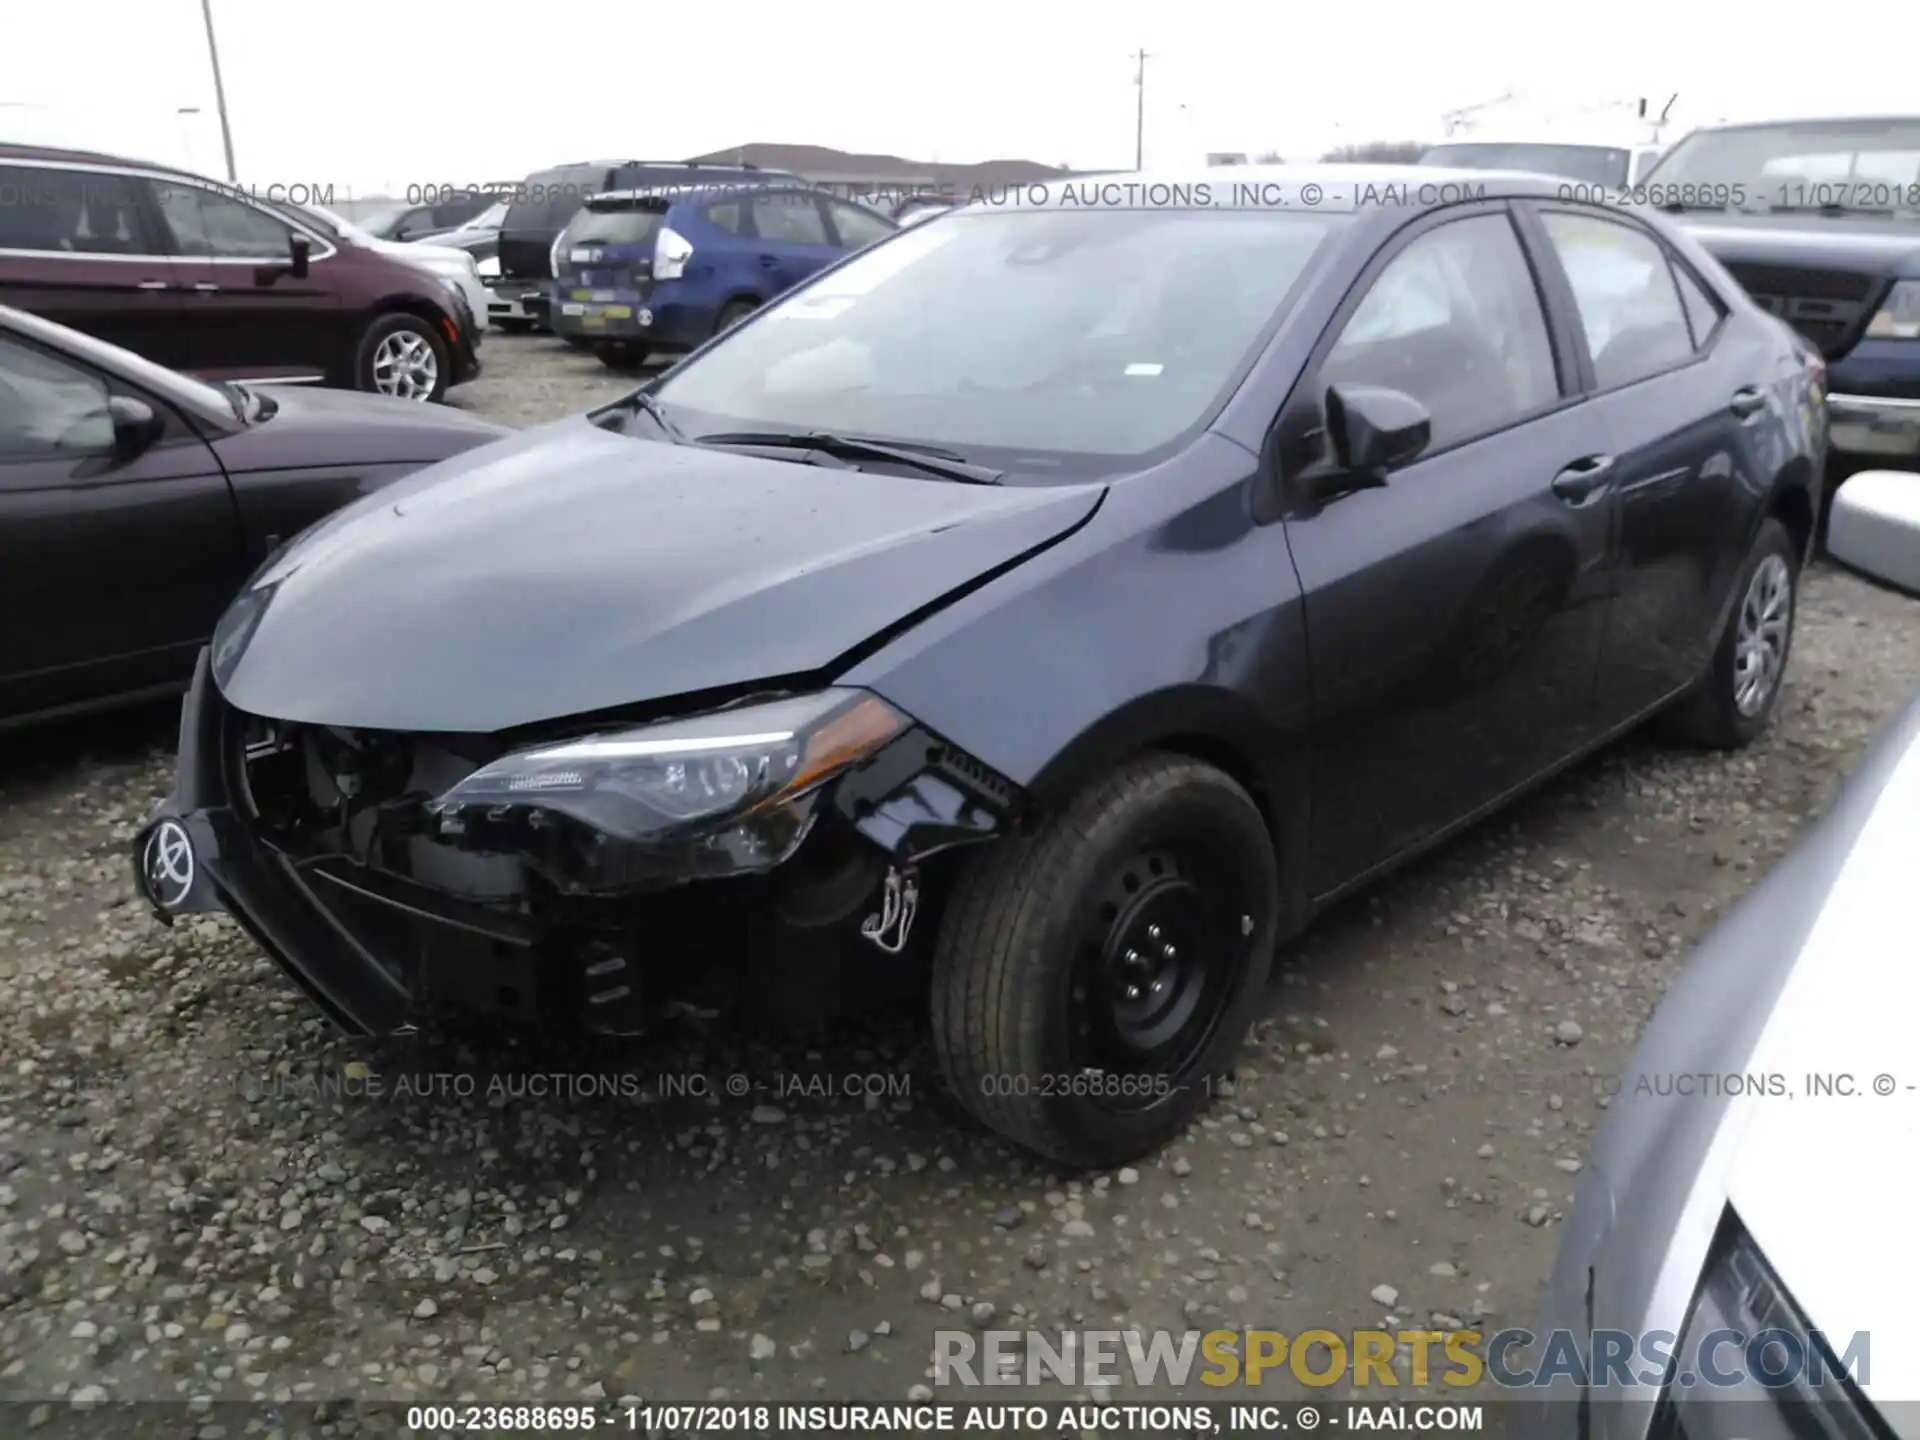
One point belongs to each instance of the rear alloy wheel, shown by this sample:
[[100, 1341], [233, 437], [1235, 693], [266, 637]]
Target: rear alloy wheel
[[1091, 980], [1735, 699], [733, 312], [402, 357]]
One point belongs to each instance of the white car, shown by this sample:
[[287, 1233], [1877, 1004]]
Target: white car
[[1754, 1181], [442, 260]]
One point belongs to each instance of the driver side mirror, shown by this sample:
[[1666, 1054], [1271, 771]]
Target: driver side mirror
[[1374, 430], [301, 250], [136, 426]]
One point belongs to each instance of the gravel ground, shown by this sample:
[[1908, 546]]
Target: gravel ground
[[203, 1192]]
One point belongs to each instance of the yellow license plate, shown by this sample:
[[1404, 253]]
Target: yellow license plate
[[617, 312], [579, 294]]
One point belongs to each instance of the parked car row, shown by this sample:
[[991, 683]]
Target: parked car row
[[204, 278], [1070, 603]]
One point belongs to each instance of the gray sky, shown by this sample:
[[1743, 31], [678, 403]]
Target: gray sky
[[315, 98]]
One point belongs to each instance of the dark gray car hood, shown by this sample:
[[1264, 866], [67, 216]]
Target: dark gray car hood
[[569, 570]]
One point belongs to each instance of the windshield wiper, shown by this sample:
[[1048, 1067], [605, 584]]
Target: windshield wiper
[[644, 401], [928, 458]]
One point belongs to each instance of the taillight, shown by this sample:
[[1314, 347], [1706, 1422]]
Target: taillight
[[671, 251]]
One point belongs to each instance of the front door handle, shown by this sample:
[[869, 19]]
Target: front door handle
[[767, 262], [153, 285], [1748, 401], [1583, 479], [206, 288]]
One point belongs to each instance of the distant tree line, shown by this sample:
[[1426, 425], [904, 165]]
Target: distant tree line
[[1376, 152]]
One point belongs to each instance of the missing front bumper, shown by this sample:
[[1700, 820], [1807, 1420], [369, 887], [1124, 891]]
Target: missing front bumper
[[376, 950]]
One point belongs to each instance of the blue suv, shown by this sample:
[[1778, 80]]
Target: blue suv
[[667, 267]]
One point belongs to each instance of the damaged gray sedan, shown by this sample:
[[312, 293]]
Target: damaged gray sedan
[[1060, 604]]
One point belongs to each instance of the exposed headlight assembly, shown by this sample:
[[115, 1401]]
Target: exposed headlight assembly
[[726, 793], [489, 268], [1759, 1368], [1898, 317]]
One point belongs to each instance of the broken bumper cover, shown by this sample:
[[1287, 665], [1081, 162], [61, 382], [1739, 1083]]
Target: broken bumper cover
[[370, 946], [224, 868]]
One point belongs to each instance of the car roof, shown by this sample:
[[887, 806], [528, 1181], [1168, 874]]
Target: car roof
[[1578, 142], [698, 165], [694, 189], [1784, 120], [48, 153]]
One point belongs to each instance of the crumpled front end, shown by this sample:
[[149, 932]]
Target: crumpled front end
[[588, 876]]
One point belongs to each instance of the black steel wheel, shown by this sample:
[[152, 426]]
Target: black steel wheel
[[1091, 980]]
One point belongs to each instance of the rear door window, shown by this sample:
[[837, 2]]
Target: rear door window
[[220, 227], [81, 212], [790, 217], [1704, 312], [1629, 303]]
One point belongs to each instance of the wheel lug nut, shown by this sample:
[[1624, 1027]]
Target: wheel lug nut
[[1153, 932], [1133, 992], [1167, 952]]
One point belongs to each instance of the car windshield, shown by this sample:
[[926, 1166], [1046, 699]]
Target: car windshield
[[339, 224], [381, 221], [1095, 337], [1867, 167], [1595, 164]]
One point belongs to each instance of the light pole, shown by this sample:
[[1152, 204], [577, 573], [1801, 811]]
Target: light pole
[[1140, 110], [219, 91]]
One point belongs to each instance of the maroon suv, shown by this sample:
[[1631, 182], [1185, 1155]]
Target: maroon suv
[[195, 275]]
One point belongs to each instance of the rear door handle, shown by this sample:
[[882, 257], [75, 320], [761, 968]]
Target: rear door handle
[[1580, 481], [153, 285], [207, 289], [1748, 401], [769, 261]]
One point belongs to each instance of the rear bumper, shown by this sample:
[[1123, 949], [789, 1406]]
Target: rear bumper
[[656, 317], [1874, 425], [507, 300]]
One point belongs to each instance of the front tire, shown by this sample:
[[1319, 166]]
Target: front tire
[[401, 356], [1734, 702], [1091, 979]]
